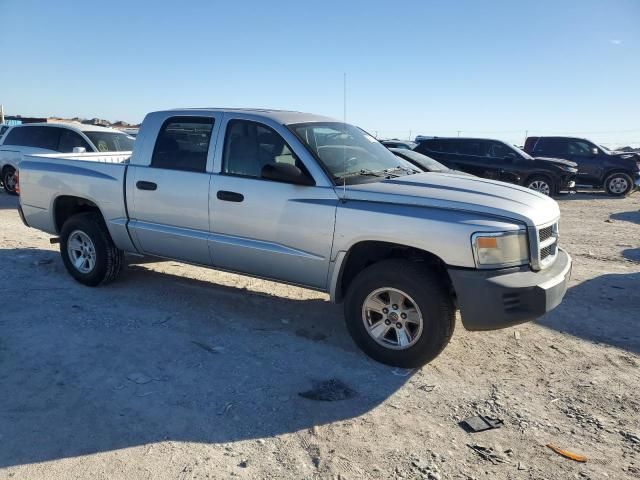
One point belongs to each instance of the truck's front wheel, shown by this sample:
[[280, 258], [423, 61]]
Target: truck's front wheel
[[87, 250], [399, 313]]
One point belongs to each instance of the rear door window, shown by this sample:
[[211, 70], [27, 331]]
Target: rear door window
[[183, 144], [37, 137], [551, 146], [472, 148]]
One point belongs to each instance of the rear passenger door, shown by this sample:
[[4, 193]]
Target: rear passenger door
[[169, 208]]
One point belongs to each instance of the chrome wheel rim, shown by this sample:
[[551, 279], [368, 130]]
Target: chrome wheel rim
[[392, 318], [540, 186], [10, 181], [81, 251], [618, 185]]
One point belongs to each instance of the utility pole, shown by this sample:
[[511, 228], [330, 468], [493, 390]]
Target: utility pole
[[459, 132], [1, 113]]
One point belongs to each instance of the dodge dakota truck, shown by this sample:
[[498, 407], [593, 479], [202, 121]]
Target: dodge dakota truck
[[310, 201]]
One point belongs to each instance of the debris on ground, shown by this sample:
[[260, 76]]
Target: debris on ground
[[427, 388], [329, 391], [480, 423], [488, 453], [567, 454]]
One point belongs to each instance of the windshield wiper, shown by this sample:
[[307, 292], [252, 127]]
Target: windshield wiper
[[366, 173], [407, 170]]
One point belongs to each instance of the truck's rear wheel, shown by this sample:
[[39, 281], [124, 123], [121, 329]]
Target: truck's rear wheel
[[399, 313], [618, 184], [87, 250], [9, 180]]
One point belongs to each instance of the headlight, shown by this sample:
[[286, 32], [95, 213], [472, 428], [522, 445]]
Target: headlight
[[501, 249]]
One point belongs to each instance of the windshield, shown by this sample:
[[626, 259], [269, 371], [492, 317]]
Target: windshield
[[348, 152], [604, 149], [111, 141]]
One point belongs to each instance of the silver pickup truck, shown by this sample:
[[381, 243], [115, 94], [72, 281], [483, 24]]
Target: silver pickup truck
[[310, 201]]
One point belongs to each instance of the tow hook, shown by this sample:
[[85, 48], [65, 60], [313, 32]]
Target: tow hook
[[54, 240]]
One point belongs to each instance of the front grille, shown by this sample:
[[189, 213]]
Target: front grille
[[545, 252], [545, 233], [547, 245]]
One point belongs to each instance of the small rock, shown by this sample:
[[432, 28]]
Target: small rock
[[244, 463], [521, 466]]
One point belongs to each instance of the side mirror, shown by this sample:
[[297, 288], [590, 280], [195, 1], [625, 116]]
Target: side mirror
[[285, 172], [79, 150], [594, 151]]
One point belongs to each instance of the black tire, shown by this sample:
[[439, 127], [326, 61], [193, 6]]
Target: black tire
[[541, 179], [431, 295], [7, 175], [613, 182], [108, 258]]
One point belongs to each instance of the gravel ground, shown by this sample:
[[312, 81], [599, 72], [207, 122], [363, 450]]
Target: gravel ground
[[181, 372]]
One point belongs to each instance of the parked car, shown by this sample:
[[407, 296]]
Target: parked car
[[407, 145], [617, 172], [498, 160], [55, 137], [266, 193], [421, 161]]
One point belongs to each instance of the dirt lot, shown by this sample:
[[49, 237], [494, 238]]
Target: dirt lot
[[176, 371]]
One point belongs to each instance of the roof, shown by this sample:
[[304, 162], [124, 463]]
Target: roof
[[284, 117], [80, 127]]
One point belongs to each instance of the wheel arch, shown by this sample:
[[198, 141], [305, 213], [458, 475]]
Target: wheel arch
[[547, 175], [66, 206], [367, 252]]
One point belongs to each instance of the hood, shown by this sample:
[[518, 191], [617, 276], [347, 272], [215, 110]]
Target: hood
[[462, 193], [626, 155], [558, 161]]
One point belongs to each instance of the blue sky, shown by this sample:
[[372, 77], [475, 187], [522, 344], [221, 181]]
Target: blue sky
[[486, 68]]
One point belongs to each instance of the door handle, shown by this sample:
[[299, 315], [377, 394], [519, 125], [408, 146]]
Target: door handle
[[229, 196], [143, 185]]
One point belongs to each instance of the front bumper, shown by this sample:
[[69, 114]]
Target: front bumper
[[489, 300]]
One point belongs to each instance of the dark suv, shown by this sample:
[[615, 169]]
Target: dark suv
[[500, 161], [617, 172]]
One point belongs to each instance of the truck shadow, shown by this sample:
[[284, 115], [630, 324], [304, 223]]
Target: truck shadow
[[7, 201], [157, 356], [633, 217], [601, 310]]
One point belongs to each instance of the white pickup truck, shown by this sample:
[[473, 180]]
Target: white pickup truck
[[33, 138], [310, 201]]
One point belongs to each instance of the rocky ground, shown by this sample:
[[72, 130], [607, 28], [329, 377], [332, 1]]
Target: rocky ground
[[180, 372]]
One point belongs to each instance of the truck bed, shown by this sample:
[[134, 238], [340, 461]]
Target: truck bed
[[98, 177]]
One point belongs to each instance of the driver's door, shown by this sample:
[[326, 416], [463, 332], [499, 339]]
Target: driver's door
[[268, 228]]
